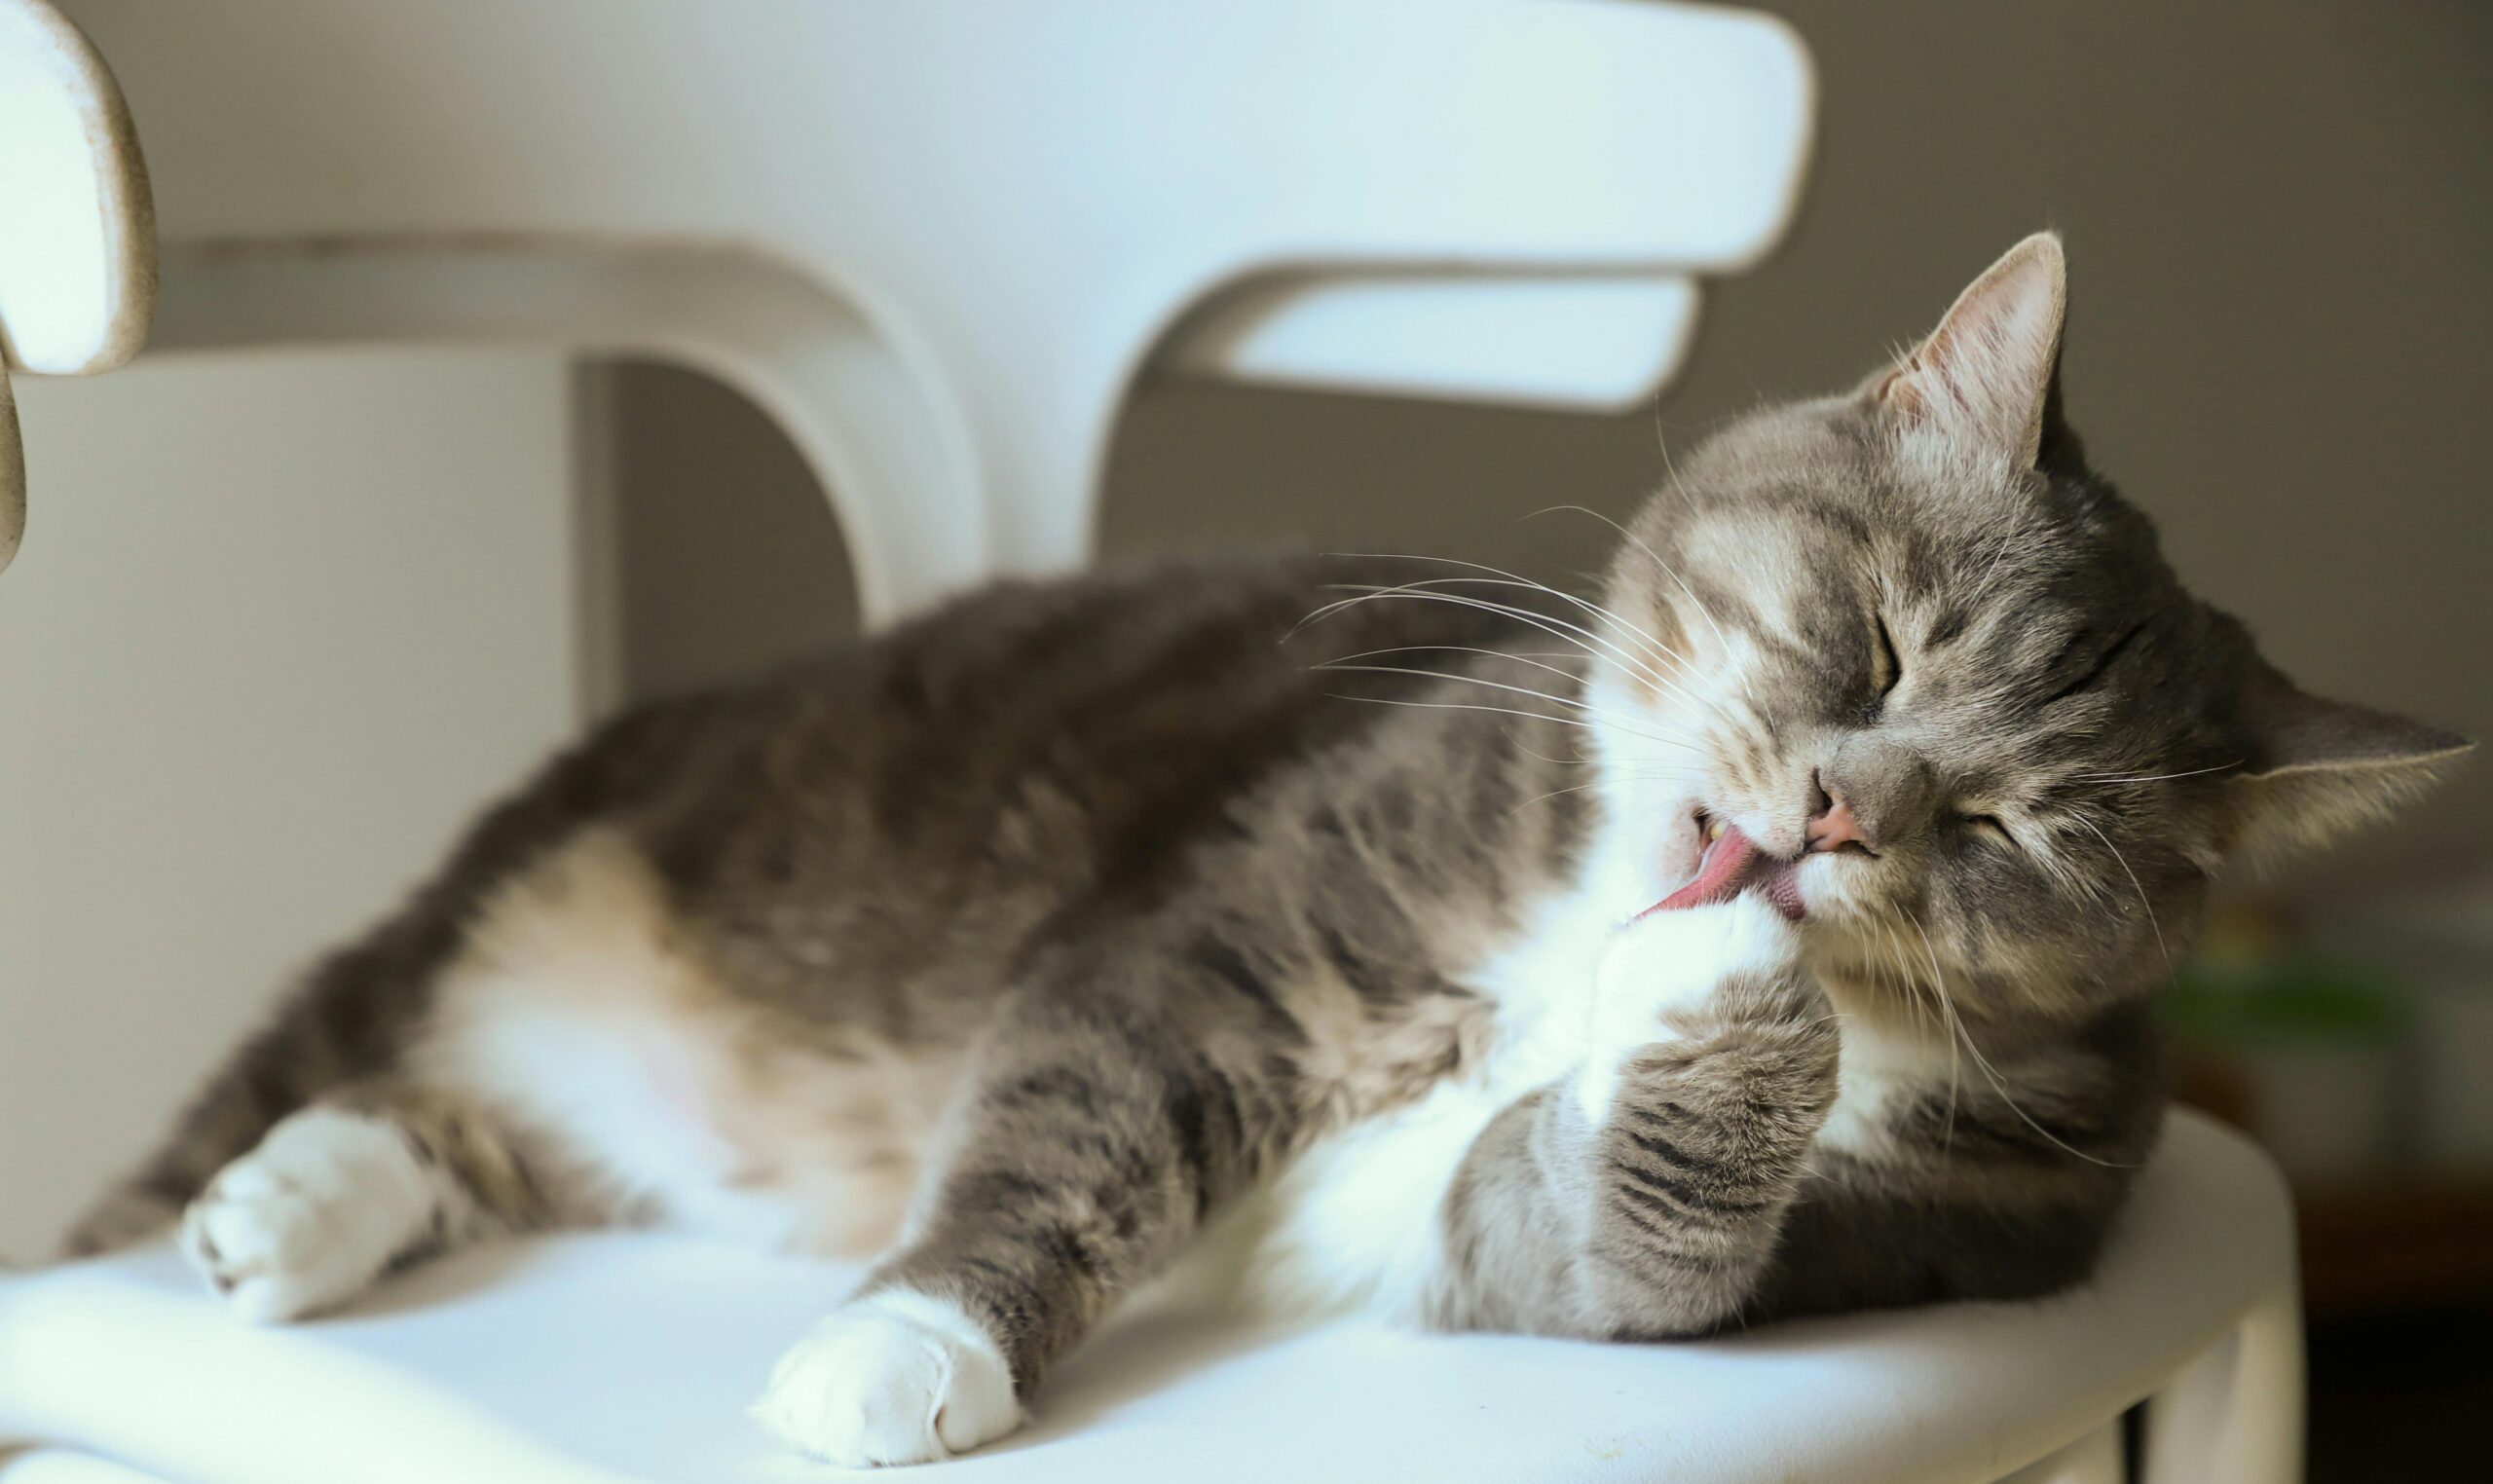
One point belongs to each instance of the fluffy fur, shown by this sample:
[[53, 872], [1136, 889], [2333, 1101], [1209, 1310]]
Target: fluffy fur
[[1022, 942]]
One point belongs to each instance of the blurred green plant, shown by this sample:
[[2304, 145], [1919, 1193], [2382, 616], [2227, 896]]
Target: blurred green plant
[[2229, 1000]]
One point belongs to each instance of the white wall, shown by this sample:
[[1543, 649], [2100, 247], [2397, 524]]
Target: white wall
[[279, 623]]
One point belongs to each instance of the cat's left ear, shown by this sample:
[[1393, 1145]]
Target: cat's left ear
[[1982, 380], [2313, 768]]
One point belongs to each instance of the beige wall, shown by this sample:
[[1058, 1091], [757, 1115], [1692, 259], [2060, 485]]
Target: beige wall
[[279, 624], [2281, 225]]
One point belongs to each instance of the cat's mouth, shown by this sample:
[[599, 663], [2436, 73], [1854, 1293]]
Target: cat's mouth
[[1730, 865]]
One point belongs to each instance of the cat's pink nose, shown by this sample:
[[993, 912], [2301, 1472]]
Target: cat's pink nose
[[1835, 828]]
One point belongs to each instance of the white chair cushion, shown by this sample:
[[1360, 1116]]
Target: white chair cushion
[[618, 1356]]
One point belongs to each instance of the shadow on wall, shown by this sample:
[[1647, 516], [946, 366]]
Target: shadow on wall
[[725, 557]]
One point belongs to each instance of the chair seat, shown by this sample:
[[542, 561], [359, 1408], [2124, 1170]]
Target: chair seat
[[628, 1356]]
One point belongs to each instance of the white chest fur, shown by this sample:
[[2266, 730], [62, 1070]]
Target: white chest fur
[[1357, 1222], [1354, 1224]]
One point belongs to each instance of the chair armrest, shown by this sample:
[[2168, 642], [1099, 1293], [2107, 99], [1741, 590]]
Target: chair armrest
[[1591, 342]]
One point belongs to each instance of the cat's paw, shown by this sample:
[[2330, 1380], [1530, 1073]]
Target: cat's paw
[[309, 1217], [1673, 961], [894, 1378], [1666, 960]]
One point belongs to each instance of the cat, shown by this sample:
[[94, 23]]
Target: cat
[[1775, 934]]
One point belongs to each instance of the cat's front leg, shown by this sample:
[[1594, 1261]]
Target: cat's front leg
[[1644, 1197], [1712, 1067], [1107, 1116]]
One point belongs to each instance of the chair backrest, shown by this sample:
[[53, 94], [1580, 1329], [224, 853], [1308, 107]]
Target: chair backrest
[[938, 241]]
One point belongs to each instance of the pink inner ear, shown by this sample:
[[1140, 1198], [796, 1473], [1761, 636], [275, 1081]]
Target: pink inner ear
[[1985, 372]]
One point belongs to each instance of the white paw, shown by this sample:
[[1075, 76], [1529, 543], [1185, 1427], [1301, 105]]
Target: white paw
[[1667, 961], [897, 1378], [309, 1217]]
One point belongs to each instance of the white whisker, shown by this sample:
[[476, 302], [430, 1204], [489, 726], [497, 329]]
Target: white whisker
[[1557, 627], [1981, 589], [1509, 711], [2155, 777], [1543, 695], [1535, 661], [1652, 643], [1924, 1008], [1702, 612], [2144, 904], [1595, 784], [1982, 1063]]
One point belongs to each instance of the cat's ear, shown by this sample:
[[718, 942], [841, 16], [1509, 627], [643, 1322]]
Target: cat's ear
[[2312, 767], [1984, 378]]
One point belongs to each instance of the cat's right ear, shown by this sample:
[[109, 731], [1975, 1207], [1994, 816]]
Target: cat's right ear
[[2313, 767], [1982, 380]]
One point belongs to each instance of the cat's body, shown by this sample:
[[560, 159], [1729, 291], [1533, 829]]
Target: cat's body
[[743, 939], [1030, 938]]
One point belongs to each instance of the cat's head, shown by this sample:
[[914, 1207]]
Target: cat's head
[[1906, 639]]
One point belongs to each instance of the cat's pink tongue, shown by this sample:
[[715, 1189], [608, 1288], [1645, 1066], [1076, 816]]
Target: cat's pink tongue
[[1731, 865]]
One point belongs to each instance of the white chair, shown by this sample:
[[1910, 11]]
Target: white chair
[[939, 242], [601, 1359]]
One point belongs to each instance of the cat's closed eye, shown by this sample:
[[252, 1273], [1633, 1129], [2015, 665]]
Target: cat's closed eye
[[1986, 826], [1885, 669]]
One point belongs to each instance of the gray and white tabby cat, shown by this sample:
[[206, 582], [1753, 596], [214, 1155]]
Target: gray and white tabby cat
[[1023, 942]]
